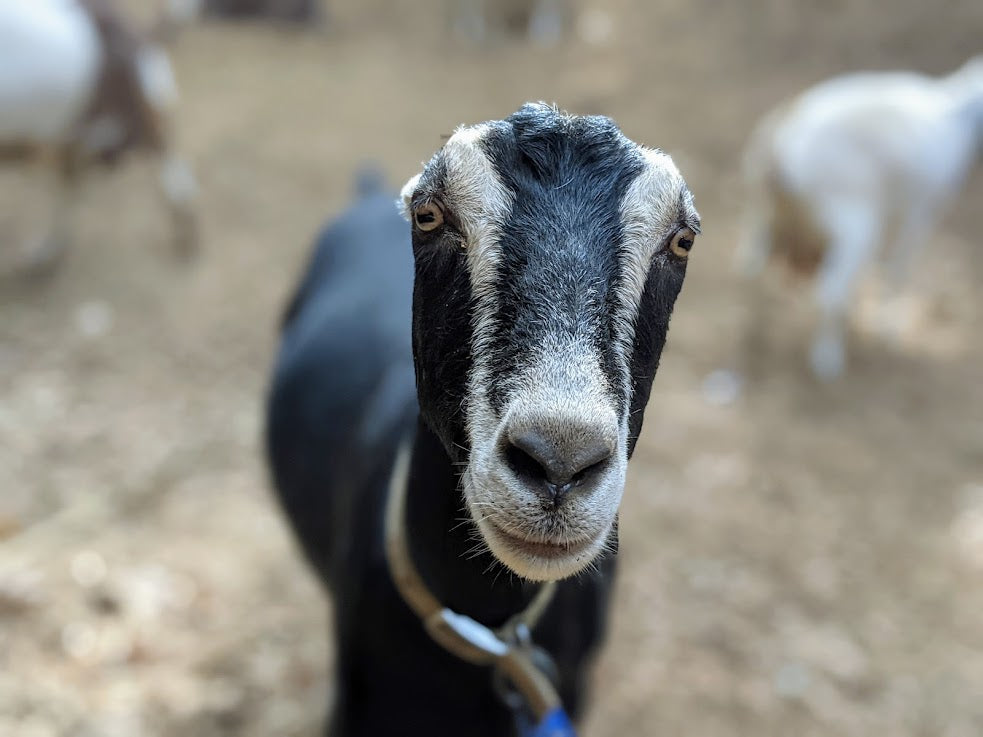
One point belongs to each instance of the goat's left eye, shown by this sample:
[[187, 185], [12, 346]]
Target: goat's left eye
[[682, 242], [428, 217]]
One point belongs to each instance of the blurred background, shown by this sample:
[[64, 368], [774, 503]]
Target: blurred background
[[797, 558]]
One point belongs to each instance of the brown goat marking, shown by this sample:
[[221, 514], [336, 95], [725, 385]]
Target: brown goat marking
[[62, 158], [798, 240], [118, 97], [22, 151], [289, 10]]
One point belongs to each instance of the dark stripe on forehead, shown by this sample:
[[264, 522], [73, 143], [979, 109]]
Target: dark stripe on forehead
[[540, 144], [560, 248]]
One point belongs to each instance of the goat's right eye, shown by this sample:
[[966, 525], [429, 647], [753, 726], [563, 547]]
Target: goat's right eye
[[682, 242], [428, 217]]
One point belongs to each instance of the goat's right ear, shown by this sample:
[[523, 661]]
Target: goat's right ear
[[406, 196]]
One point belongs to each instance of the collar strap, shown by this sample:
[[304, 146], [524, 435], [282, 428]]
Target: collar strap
[[507, 648]]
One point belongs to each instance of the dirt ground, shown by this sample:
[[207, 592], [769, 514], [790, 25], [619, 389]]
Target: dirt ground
[[807, 560]]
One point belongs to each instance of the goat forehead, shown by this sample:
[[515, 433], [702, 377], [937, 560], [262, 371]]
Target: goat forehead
[[555, 175], [554, 207], [579, 216]]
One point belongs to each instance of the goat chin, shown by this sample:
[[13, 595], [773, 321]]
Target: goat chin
[[541, 561], [535, 543]]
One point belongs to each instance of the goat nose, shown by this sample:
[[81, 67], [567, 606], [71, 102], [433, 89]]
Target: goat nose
[[555, 464]]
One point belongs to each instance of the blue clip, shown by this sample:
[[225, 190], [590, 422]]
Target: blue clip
[[555, 724]]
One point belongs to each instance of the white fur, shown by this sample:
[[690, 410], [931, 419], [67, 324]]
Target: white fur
[[156, 78], [182, 12], [870, 155], [178, 181], [563, 391], [480, 200], [406, 195], [649, 214], [50, 56], [546, 20], [482, 203]]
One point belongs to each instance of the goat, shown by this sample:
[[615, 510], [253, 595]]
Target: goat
[[511, 334], [857, 162], [543, 21], [79, 85]]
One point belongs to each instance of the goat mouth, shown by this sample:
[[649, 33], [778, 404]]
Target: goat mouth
[[538, 548]]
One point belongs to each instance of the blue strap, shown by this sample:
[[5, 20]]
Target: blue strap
[[555, 724]]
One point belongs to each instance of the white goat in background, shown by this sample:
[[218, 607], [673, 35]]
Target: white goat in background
[[79, 86], [541, 21], [858, 163]]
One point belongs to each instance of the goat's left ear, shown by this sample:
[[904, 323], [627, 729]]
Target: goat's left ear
[[406, 196]]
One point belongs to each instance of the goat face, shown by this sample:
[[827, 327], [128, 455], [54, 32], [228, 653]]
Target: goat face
[[549, 252]]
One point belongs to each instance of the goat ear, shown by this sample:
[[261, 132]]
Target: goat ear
[[406, 196]]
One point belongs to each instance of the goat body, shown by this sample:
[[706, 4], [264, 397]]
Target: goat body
[[854, 164], [78, 82], [51, 58], [511, 336], [343, 396]]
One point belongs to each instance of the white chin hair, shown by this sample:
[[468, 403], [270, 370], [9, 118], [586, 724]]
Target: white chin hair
[[548, 565]]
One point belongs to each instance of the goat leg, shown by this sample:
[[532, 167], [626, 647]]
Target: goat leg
[[180, 189], [42, 256]]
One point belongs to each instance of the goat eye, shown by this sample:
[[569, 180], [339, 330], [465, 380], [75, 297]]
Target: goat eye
[[428, 217], [682, 242]]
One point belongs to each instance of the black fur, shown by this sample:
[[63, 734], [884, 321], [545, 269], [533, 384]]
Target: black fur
[[664, 283], [560, 244], [344, 391]]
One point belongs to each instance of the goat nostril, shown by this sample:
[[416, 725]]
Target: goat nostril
[[555, 466], [525, 464], [589, 470]]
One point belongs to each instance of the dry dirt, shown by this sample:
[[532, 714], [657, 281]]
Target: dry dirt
[[805, 561]]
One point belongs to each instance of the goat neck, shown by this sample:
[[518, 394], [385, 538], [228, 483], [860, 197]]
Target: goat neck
[[445, 546]]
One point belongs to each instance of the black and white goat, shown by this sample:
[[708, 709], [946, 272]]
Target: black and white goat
[[79, 85], [852, 165], [511, 336]]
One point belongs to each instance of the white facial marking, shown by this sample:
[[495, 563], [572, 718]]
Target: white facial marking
[[480, 200], [563, 394], [649, 211], [406, 196]]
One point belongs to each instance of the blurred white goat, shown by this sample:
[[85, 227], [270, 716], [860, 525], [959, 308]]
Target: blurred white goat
[[79, 86], [541, 21], [857, 163]]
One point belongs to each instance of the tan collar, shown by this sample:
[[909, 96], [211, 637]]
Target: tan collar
[[508, 648]]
